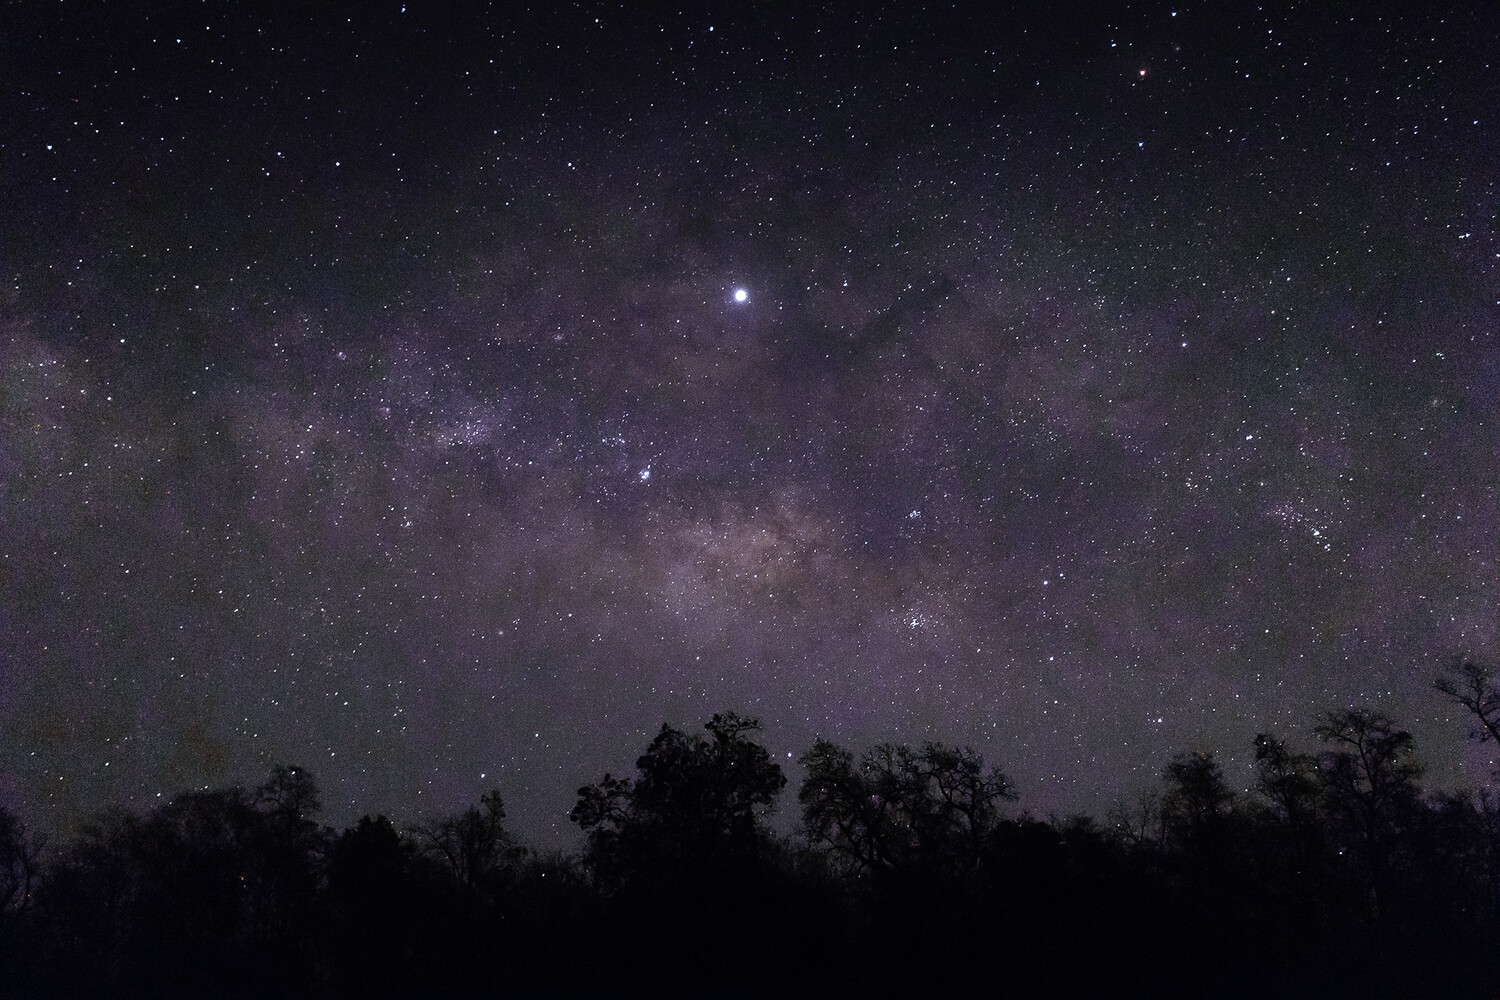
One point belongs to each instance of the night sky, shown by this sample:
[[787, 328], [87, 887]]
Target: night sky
[[377, 393]]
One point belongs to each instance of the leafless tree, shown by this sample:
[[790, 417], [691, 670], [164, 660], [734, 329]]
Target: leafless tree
[[473, 845], [1476, 688]]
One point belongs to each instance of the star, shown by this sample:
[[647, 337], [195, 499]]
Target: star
[[740, 295]]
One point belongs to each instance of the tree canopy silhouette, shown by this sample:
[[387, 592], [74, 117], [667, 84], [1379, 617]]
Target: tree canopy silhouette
[[900, 809], [692, 797], [1197, 798], [1287, 779], [208, 878], [1339, 877]]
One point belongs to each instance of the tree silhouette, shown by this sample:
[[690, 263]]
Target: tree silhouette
[[370, 857], [20, 864], [289, 798], [1347, 880], [20, 869], [1474, 687], [1138, 822], [1287, 779], [603, 810], [901, 809], [711, 790], [1290, 836], [285, 863], [692, 797], [680, 859], [1197, 798], [376, 911], [212, 888], [88, 902], [1370, 767], [473, 845], [1369, 782]]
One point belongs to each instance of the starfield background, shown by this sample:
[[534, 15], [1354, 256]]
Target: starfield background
[[1069, 433]]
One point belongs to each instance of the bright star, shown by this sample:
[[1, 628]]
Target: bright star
[[740, 295]]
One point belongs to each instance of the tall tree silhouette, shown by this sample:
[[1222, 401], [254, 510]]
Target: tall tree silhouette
[[681, 859], [20, 870], [692, 797], [20, 864], [285, 864], [380, 928], [1291, 833], [1369, 780], [1197, 799]]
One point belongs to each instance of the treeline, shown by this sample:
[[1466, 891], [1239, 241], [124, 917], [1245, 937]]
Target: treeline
[[912, 876]]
